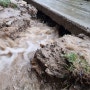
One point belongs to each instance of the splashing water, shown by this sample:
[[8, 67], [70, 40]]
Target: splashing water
[[15, 56]]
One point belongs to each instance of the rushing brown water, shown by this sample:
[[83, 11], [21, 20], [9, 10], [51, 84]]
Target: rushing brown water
[[15, 56]]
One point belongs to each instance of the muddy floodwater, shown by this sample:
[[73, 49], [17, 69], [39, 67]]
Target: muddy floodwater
[[15, 55], [15, 61]]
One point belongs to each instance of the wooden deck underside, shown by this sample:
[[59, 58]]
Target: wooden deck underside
[[74, 15]]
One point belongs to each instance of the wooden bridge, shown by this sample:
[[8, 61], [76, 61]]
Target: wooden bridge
[[74, 15]]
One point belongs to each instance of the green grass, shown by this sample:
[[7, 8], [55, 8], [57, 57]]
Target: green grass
[[71, 58], [77, 62], [7, 3]]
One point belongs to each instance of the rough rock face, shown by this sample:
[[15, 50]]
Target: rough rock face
[[66, 58]]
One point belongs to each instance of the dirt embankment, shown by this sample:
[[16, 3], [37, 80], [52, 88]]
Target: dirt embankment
[[66, 61]]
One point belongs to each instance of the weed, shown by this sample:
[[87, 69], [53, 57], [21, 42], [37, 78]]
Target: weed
[[71, 57], [7, 3], [77, 62]]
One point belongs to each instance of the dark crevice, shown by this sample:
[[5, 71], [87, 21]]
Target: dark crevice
[[63, 31], [47, 20]]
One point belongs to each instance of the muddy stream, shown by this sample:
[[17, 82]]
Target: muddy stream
[[18, 45]]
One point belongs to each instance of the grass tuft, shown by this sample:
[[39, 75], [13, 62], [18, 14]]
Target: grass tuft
[[76, 62], [7, 3]]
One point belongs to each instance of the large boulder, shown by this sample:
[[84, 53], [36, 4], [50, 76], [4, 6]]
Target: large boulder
[[67, 58]]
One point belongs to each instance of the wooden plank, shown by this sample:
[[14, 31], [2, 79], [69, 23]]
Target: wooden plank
[[74, 15]]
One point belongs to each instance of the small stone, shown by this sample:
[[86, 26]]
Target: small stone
[[1, 8]]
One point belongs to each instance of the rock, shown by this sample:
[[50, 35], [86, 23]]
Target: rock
[[82, 36], [67, 58], [14, 27]]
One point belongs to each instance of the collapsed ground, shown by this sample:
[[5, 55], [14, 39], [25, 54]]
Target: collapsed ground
[[23, 67]]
